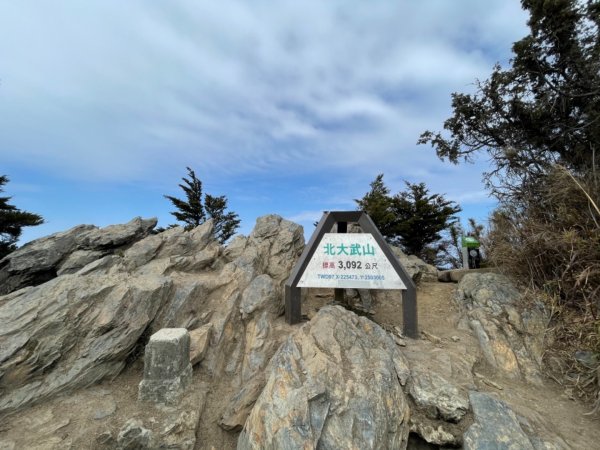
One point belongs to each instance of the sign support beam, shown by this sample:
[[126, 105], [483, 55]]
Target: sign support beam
[[293, 293]]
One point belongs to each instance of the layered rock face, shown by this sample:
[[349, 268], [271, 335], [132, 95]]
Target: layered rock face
[[335, 383], [79, 328], [511, 340], [61, 253]]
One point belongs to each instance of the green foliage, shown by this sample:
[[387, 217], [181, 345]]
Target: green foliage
[[543, 109], [193, 211], [413, 219], [12, 220], [450, 253], [538, 121]]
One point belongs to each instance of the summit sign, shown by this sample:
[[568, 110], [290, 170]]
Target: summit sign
[[352, 260]]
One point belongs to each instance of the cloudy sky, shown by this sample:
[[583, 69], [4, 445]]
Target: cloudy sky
[[288, 107]]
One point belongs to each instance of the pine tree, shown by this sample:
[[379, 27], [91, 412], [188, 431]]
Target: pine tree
[[193, 211], [413, 219], [226, 223], [12, 220]]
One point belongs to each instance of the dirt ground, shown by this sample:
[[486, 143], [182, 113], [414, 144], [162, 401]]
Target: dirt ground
[[74, 420]]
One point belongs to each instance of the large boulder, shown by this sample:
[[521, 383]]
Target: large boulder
[[511, 337], [61, 253], [80, 328], [335, 383]]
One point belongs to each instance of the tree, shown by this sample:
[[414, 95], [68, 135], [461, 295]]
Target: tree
[[420, 219], [413, 219], [543, 109], [12, 220], [193, 211]]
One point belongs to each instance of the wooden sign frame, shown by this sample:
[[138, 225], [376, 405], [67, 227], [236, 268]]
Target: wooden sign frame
[[329, 218]]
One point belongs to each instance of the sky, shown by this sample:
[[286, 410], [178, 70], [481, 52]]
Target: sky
[[287, 107]]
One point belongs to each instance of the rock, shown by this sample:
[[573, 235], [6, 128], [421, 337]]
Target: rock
[[133, 436], [510, 341], [496, 426], [105, 440], [417, 269], [106, 408], [181, 432], [238, 409], [456, 275], [261, 293], [199, 340], [78, 329], [72, 331], [437, 396], [439, 384], [167, 368], [43, 259], [77, 260], [335, 383]]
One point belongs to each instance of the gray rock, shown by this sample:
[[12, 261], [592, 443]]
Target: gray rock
[[43, 259], [417, 269], [199, 340], [496, 426], [439, 398], [71, 332], [510, 341], [114, 236], [133, 436], [78, 329], [106, 408], [167, 368], [335, 383], [77, 260], [261, 293]]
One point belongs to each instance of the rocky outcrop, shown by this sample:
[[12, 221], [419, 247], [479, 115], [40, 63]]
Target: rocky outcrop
[[497, 426], [335, 383], [511, 337], [418, 269], [63, 253], [80, 328]]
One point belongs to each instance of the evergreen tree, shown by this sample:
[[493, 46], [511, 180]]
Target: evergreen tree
[[543, 109], [420, 219], [377, 203], [412, 219], [12, 220], [225, 222], [193, 211]]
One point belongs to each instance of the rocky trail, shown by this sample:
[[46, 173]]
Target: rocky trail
[[71, 352]]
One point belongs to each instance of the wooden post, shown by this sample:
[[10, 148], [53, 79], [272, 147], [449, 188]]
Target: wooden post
[[339, 294]]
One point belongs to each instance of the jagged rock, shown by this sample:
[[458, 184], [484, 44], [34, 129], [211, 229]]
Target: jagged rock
[[133, 436], [510, 341], [43, 259], [71, 331], [77, 260], [261, 293], [79, 328], [417, 269], [235, 414], [439, 384], [437, 396], [496, 426], [199, 340], [335, 383]]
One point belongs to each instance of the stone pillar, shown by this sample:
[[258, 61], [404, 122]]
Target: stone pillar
[[167, 368]]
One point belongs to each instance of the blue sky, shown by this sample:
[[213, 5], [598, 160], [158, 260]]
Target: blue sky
[[285, 107]]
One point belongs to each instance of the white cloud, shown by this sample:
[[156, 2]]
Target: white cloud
[[130, 90]]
